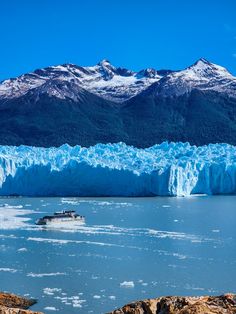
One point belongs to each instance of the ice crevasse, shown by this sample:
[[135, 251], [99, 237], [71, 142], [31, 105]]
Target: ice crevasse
[[177, 169]]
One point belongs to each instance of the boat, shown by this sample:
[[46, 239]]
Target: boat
[[61, 217]]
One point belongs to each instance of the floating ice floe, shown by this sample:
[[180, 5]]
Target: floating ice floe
[[74, 300], [117, 169], [8, 270], [127, 284], [22, 249], [50, 308], [120, 231], [63, 241], [45, 275], [97, 297], [51, 291], [12, 217]]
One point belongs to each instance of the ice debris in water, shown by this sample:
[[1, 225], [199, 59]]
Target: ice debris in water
[[14, 219], [118, 170], [50, 308], [127, 284]]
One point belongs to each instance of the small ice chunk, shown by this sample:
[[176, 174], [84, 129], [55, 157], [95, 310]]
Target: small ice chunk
[[97, 297], [50, 308], [127, 284], [22, 249]]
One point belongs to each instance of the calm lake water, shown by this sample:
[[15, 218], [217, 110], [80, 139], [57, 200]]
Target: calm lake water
[[129, 248]]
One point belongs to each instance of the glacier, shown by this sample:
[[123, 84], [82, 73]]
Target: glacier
[[174, 169]]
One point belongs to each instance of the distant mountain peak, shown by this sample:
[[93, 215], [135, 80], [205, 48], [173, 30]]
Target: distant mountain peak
[[201, 64], [106, 69], [149, 73], [104, 62], [205, 68], [203, 60], [202, 75]]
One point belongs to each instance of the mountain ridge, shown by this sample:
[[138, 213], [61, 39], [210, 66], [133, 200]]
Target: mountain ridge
[[86, 105], [101, 78], [94, 78]]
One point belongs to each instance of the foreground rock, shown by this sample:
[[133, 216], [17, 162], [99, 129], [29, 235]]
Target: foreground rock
[[225, 304], [12, 304]]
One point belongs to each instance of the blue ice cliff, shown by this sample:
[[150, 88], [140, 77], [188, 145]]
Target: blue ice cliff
[[177, 169]]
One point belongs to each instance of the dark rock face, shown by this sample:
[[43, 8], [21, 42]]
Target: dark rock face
[[13, 304], [49, 121], [225, 304], [200, 117]]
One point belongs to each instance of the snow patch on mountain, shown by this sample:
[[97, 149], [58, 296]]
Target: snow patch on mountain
[[118, 170]]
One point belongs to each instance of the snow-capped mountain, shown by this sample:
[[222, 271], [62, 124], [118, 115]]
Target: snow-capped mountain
[[119, 84], [202, 75], [102, 103], [103, 79]]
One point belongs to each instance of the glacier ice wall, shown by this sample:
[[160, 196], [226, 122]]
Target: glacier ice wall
[[118, 170]]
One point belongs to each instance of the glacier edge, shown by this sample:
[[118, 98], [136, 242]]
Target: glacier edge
[[175, 169]]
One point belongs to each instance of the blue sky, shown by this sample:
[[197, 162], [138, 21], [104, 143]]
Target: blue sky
[[130, 33]]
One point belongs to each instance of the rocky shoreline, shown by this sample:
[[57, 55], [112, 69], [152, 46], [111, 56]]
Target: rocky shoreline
[[224, 304], [13, 304]]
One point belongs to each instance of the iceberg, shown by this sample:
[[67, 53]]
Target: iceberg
[[176, 169]]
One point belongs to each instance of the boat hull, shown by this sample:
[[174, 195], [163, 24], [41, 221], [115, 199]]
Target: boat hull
[[59, 221]]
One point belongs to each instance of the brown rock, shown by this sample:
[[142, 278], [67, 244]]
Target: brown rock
[[13, 304], [225, 304], [7, 310]]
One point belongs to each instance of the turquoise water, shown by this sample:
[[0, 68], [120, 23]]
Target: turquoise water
[[129, 248]]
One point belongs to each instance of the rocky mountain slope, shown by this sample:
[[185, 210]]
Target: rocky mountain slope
[[225, 304], [85, 105]]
